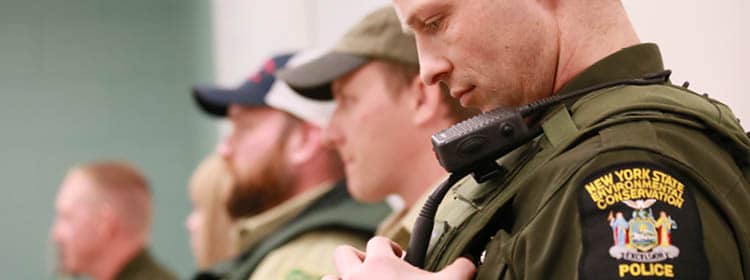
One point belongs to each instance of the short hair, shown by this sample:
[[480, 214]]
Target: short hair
[[125, 188]]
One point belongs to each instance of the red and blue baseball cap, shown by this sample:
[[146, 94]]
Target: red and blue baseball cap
[[263, 89]]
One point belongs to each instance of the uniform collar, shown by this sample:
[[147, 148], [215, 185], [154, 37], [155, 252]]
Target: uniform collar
[[398, 225], [629, 63], [249, 231], [141, 261]]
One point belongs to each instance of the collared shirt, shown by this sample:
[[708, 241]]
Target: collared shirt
[[301, 238], [629, 63], [249, 231], [399, 224], [309, 256], [548, 226], [143, 266]]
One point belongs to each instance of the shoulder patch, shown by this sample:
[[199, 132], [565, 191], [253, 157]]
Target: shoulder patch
[[640, 221]]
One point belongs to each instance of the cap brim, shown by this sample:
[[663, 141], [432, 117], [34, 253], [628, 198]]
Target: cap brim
[[314, 79], [215, 101]]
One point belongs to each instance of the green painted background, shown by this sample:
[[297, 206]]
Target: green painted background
[[82, 80]]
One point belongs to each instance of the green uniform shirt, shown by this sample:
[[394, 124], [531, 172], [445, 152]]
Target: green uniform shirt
[[649, 195], [143, 267]]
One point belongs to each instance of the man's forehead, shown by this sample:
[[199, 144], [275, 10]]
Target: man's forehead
[[75, 188], [408, 11], [352, 82], [401, 17]]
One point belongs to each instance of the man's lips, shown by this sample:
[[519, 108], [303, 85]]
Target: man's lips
[[458, 93]]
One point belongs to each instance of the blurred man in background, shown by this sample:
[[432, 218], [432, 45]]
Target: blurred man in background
[[384, 115], [209, 224], [103, 221], [289, 201]]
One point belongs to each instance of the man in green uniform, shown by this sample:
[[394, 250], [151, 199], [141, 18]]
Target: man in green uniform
[[289, 203], [626, 147], [102, 223], [373, 75]]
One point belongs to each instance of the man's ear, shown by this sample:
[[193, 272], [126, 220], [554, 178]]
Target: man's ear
[[108, 224], [304, 143], [426, 101]]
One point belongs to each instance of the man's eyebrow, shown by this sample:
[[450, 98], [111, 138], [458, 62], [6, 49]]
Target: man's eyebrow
[[337, 91], [411, 22], [414, 22], [404, 23]]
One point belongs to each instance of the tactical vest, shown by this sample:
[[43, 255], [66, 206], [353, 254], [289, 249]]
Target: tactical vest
[[335, 209], [482, 224]]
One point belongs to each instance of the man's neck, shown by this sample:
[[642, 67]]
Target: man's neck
[[321, 169], [592, 35], [425, 171], [306, 183], [118, 255]]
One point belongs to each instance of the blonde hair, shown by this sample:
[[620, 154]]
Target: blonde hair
[[209, 186]]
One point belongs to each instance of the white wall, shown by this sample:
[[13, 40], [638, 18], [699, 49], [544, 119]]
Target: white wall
[[704, 42], [247, 32]]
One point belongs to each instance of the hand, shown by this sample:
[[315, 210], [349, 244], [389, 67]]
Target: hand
[[383, 261]]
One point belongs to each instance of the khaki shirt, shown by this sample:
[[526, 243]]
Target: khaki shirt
[[249, 231], [143, 266], [399, 224], [309, 256]]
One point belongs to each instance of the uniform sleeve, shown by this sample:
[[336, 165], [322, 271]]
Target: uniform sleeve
[[309, 256], [623, 214], [637, 201]]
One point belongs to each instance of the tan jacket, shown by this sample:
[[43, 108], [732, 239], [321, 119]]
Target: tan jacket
[[309, 256]]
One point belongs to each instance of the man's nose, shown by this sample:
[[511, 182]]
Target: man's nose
[[433, 68]]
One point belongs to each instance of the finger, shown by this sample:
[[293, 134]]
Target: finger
[[462, 268], [380, 246], [347, 258]]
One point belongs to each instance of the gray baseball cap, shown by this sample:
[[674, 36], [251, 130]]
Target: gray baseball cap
[[378, 35]]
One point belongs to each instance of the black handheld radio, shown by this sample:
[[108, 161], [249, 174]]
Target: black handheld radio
[[472, 146]]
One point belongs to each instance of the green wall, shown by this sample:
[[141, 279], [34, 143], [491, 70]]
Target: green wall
[[81, 80]]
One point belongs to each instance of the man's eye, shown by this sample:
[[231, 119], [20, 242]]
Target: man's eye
[[433, 24], [347, 99], [247, 125]]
